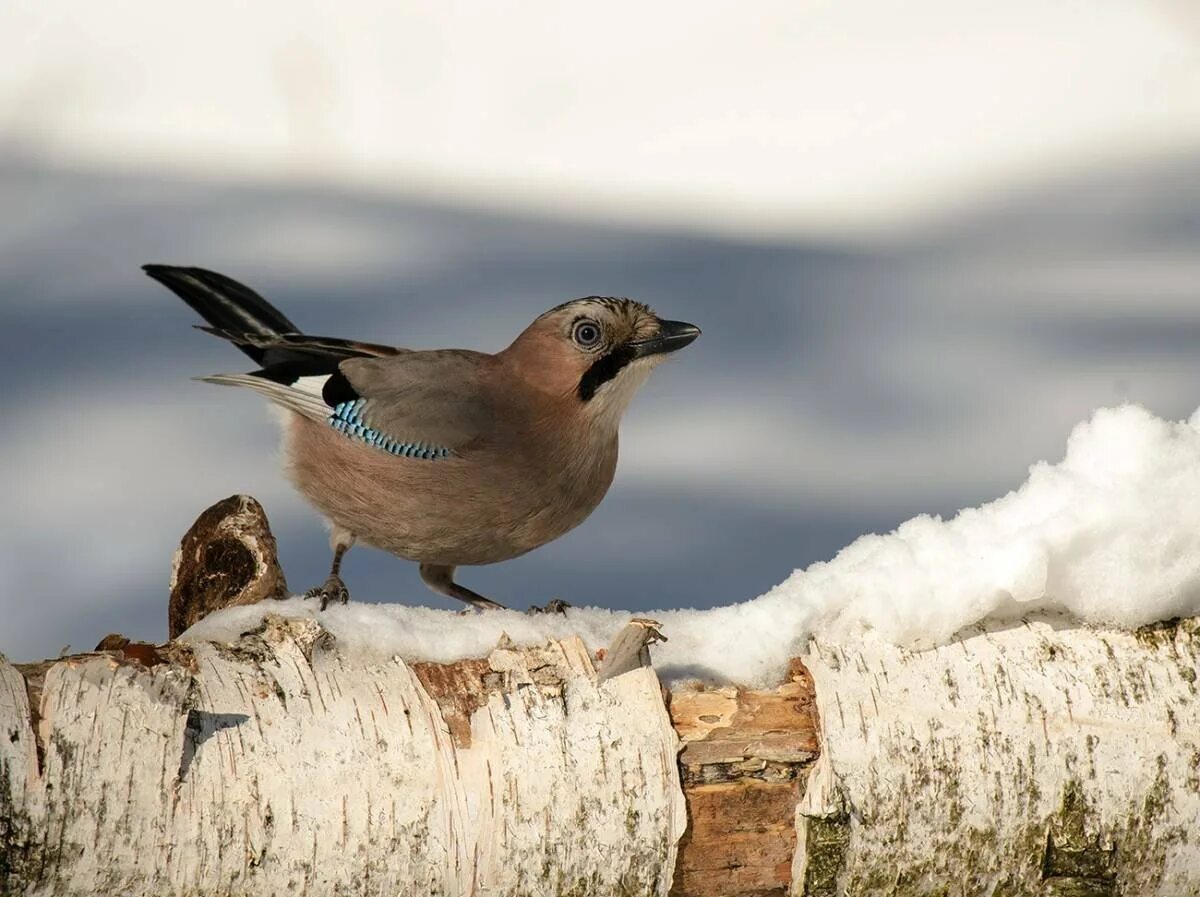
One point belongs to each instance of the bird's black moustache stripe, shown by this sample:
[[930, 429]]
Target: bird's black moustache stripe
[[604, 369]]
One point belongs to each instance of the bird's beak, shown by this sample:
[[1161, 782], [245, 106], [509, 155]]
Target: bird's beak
[[671, 335]]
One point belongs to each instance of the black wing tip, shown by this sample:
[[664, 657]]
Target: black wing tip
[[221, 300], [166, 273], [160, 272], [157, 269]]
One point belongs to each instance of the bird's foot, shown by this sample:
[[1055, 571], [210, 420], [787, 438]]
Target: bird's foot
[[480, 605], [333, 590], [553, 606]]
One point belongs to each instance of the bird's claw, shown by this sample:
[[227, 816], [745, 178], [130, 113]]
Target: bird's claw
[[333, 590], [553, 606], [481, 606]]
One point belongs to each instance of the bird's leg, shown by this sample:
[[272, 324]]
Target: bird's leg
[[440, 578], [334, 589]]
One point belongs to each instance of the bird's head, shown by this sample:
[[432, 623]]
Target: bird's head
[[597, 351]]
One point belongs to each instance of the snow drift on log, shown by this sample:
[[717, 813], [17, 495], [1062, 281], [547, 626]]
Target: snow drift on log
[[1109, 534]]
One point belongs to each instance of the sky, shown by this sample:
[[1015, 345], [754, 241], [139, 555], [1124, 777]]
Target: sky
[[922, 243]]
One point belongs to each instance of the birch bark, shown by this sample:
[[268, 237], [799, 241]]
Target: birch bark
[[269, 767], [1039, 759], [1044, 758]]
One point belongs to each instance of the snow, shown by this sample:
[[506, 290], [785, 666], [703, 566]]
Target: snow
[[1108, 535]]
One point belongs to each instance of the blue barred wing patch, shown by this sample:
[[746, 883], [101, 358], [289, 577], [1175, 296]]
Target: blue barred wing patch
[[347, 418]]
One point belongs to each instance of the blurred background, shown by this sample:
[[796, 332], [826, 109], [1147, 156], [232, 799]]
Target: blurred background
[[922, 240]]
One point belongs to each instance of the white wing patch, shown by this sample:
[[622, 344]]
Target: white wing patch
[[311, 385], [302, 401]]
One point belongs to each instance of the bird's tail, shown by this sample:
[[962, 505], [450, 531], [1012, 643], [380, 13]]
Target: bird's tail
[[230, 307]]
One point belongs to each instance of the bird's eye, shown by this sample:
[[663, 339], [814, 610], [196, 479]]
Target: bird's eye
[[586, 333]]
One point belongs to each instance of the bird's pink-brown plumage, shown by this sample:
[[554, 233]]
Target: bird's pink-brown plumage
[[535, 472]]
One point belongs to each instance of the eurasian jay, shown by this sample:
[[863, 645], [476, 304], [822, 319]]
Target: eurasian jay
[[447, 457]]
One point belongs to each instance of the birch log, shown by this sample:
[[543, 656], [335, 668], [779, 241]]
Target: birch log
[[1043, 759], [269, 767], [1040, 759]]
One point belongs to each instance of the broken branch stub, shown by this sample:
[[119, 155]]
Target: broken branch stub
[[228, 557], [630, 650]]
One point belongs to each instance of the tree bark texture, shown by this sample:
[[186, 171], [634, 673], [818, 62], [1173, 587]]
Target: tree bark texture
[[269, 767], [1038, 759]]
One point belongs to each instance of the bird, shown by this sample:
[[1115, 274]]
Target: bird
[[446, 457]]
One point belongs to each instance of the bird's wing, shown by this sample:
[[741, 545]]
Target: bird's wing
[[417, 404], [427, 405]]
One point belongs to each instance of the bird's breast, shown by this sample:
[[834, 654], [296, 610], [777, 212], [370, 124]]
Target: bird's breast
[[489, 502]]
